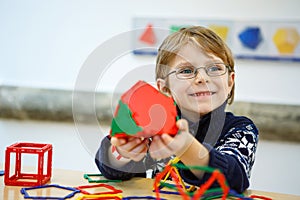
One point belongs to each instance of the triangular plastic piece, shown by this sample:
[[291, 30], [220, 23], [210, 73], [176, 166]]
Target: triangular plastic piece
[[148, 36], [124, 119]]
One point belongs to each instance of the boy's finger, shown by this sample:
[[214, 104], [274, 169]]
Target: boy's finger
[[158, 149], [117, 141], [167, 139]]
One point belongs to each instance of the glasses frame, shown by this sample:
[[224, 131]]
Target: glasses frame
[[198, 68]]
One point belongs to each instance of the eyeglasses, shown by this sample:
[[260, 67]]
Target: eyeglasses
[[188, 72]]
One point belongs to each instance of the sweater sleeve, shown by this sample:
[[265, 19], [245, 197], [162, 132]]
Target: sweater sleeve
[[126, 172], [234, 155]]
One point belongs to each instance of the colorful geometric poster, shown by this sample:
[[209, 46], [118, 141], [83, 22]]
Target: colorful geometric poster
[[267, 40], [262, 40]]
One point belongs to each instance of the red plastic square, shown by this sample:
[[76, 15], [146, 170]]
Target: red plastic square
[[18, 176]]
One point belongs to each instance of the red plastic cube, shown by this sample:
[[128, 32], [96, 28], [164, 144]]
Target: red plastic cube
[[18, 177]]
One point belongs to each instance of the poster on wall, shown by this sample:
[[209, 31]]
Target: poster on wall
[[262, 40]]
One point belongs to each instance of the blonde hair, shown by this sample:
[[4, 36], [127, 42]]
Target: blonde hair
[[206, 39]]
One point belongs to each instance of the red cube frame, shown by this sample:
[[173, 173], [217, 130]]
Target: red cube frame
[[19, 178]]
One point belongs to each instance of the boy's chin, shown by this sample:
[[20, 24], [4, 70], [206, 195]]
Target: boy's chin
[[205, 108]]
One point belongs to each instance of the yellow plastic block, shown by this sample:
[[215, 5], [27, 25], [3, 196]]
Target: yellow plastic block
[[222, 31], [286, 40]]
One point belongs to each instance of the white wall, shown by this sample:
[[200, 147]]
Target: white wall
[[45, 43]]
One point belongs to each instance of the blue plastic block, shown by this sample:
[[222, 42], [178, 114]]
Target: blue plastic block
[[251, 37]]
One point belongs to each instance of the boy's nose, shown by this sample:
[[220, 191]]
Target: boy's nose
[[201, 76]]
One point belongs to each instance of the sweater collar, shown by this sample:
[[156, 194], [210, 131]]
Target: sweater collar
[[209, 127]]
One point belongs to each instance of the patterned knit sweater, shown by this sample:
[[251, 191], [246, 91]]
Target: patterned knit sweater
[[231, 141]]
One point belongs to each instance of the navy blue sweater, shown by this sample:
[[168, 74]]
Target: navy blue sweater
[[231, 141]]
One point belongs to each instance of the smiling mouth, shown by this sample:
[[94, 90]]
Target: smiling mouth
[[199, 94]]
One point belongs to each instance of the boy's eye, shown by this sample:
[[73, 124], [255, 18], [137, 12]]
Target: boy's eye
[[187, 70], [214, 68]]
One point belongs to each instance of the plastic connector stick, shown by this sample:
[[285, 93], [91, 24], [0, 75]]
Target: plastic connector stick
[[90, 180], [112, 189], [141, 197], [101, 196], [27, 196]]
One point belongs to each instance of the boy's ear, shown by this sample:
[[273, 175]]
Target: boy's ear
[[162, 86], [231, 79]]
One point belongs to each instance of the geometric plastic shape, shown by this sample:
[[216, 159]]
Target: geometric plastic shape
[[148, 36], [171, 170], [111, 189], [143, 111], [286, 40], [18, 176], [170, 185], [27, 196], [90, 180], [221, 31], [175, 28], [100, 196], [251, 37], [140, 197], [201, 192], [1, 172]]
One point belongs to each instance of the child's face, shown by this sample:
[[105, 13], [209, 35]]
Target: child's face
[[202, 94]]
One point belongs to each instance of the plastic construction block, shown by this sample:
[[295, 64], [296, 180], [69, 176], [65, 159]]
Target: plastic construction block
[[286, 40], [251, 37], [148, 36], [222, 31], [90, 180], [100, 197], [175, 28], [73, 191], [140, 197], [171, 170], [143, 111], [17, 176], [110, 189], [1, 172]]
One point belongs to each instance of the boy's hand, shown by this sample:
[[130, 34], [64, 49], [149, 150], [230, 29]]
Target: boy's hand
[[163, 146], [132, 148]]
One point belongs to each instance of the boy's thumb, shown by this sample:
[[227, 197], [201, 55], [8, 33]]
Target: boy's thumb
[[182, 125]]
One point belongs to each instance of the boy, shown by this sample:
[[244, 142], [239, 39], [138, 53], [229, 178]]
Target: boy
[[196, 68]]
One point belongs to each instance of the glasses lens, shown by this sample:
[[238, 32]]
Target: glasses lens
[[185, 73], [188, 72], [216, 69]]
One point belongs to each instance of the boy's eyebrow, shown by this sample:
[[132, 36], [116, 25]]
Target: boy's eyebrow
[[182, 64]]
